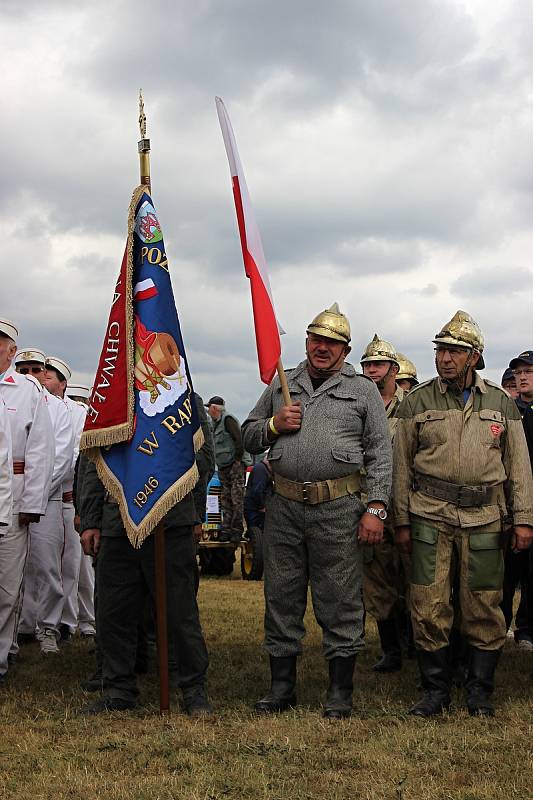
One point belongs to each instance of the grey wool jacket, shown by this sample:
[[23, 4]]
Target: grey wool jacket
[[344, 428]]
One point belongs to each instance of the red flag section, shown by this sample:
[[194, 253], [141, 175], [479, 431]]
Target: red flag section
[[267, 329], [110, 415]]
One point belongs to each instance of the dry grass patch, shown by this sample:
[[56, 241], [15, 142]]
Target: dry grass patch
[[48, 751]]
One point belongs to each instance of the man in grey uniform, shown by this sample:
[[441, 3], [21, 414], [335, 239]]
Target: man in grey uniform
[[315, 520]]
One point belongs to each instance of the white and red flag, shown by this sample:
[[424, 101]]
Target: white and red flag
[[144, 290], [267, 329]]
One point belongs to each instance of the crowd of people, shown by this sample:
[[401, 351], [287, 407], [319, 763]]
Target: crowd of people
[[47, 584], [410, 502]]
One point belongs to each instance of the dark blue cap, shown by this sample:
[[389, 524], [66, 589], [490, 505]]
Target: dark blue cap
[[526, 357]]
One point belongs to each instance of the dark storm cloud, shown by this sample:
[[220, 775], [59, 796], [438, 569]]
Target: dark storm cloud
[[327, 47]]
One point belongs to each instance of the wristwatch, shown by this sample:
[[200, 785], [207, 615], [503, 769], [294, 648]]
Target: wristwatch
[[377, 512]]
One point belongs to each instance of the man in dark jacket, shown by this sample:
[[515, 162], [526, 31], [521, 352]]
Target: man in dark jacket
[[124, 576], [258, 490], [519, 566]]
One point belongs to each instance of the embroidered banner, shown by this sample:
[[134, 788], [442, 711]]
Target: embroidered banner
[[142, 427]]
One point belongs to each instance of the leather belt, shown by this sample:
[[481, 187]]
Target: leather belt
[[68, 497], [18, 467], [460, 496], [314, 492]]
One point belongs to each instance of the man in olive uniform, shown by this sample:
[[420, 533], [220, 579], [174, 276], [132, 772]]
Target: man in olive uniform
[[406, 377], [229, 456], [315, 521], [383, 575], [460, 466]]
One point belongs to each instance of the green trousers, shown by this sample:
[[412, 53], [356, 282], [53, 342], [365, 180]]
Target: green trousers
[[438, 550]]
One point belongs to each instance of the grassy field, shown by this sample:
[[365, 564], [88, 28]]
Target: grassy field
[[48, 751]]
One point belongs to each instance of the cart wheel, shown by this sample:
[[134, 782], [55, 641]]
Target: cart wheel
[[252, 556]]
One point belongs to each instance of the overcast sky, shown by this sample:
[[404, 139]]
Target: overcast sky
[[387, 149]]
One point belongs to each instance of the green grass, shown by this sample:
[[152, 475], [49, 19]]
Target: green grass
[[48, 751]]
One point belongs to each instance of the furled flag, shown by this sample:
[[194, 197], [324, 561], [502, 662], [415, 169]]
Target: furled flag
[[142, 427], [267, 329]]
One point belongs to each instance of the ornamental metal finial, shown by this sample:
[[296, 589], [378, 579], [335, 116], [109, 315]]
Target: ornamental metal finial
[[142, 116]]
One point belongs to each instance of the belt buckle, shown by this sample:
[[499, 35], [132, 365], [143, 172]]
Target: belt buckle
[[470, 496], [305, 496]]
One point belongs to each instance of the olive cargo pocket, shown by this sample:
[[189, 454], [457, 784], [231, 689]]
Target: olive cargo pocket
[[485, 562], [424, 538]]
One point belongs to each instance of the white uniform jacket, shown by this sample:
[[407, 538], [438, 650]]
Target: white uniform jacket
[[78, 415], [32, 441], [6, 468], [64, 442]]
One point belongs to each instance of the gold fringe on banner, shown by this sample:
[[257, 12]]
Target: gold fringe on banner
[[92, 441], [138, 533], [114, 434]]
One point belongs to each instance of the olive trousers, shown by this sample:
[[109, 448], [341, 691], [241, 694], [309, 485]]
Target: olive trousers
[[441, 551]]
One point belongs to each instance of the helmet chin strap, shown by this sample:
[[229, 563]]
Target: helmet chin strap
[[460, 381], [381, 383], [327, 372]]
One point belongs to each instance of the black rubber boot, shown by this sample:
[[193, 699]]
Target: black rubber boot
[[340, 690], [95, 683], [196, 702], [391, 660], [479, 683], [282, 694], [436, 681], [107, 703]]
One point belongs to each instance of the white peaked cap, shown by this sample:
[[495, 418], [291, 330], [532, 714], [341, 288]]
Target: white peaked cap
[[78, 390], [9, 329], [30, 354], [60, 365]]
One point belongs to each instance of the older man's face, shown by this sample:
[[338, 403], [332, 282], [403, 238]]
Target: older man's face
[[8, 348], [214, 411], [34, 368]]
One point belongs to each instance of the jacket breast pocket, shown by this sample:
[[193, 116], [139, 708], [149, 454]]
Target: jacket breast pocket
[[344, 410], [346, 456], [431, 428], [492, 427]]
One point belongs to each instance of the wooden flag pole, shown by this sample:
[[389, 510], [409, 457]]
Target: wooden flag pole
[[161, 617], [159, 533], [284, 385]]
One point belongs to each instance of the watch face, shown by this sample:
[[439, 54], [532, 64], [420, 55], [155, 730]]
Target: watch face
[[377, 512]]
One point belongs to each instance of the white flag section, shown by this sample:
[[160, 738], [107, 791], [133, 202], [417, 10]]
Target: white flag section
[[267, 329]]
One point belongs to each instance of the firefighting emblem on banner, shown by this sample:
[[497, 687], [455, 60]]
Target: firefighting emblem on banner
[[148, 465]]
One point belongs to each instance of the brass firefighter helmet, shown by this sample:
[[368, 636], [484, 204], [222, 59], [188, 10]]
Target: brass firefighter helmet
[[380, 350], [463, 331], [407, 371], [332, 324]]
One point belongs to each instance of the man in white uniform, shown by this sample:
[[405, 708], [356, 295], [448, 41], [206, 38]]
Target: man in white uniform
[[33, 461], [43, 585], [85, 603], [56, 376], [6, 469]]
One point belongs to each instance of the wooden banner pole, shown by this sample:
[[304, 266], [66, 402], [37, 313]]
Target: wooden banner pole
[[284, 385], [161, 617], [160, 577]]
